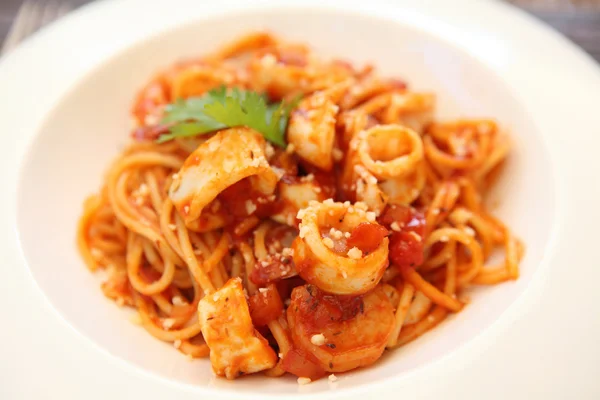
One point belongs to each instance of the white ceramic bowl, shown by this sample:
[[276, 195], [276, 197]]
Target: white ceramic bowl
[[86, 129], [87, 125]]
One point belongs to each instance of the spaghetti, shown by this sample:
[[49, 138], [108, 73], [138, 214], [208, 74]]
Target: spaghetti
[[360, 235]]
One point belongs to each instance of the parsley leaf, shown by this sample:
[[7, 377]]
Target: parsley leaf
[[221, 108]]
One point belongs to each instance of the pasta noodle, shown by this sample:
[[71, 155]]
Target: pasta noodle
[[362, 234]]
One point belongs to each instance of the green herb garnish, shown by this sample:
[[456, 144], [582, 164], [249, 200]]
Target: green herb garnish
[[221, 108]]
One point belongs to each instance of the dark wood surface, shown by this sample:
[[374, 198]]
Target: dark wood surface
[[579, 20]]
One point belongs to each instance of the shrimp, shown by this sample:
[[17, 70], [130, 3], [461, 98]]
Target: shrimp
[[312, 130], [340, 333], [236, 348]]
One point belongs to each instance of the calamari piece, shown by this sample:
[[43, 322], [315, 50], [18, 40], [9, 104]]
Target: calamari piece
[[385, 166], [295, 196], [340, 333], [413, 110], [312, 130], [236, 348], [324, 254], [224, 159]]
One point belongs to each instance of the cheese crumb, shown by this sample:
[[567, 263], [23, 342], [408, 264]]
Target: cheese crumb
[[287, 252], [178, 301], [303, 231], [250, 207], [370, 216], [469, 231], [318, 340], [301, 213], [290, 148], [355, 253], [395, 227], [304, 381], [96, 253], [415, 235], [143, 189], [337, 154], [177, 343], [168, 323], [262, 290], [172, 227], [328, 242], [332, 378], [269, 150]]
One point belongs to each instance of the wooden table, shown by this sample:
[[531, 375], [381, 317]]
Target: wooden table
[[579, 20]]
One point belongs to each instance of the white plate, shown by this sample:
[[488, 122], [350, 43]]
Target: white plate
[[66, 94]]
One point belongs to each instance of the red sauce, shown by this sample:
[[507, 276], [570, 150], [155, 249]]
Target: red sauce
[[150, 98], [286, 162], [272, 269], [406, 248], [302, 364], [265, 306], [317, 308], [325, 180], [285, 286], [233, 203], [367, 237], [149, 132]]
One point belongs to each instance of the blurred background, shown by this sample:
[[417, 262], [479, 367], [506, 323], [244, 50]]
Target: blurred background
[[577, 19]]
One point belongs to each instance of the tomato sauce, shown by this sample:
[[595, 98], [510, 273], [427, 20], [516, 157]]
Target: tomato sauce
[[367, 237], [302, 364], [272, 269], [318, 308], [406, 242], [265, 306]]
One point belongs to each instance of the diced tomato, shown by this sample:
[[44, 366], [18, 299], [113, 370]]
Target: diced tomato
[[367, 237], [407, 218], [265, 306], [405, 249], [234, 199], [318, 308], [301, 364], [272, 269], [285, 286], [406, 245]]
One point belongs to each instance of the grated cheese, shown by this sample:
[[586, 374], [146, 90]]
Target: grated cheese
[[355, 253], [318, 340], [168, 323], [304, 381]]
